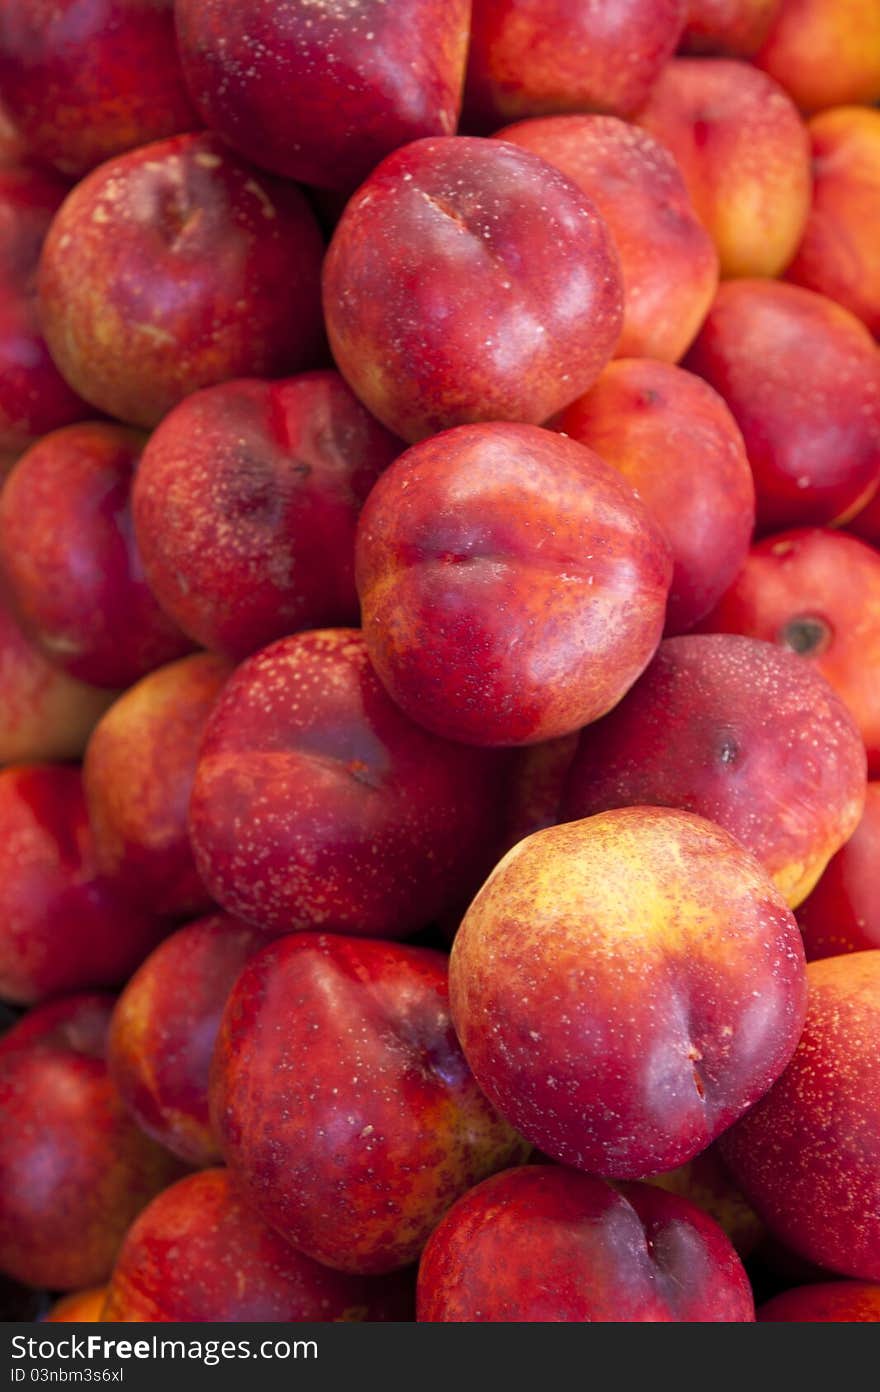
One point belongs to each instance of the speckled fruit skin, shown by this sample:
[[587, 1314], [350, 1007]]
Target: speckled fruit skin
[[82, 1307], [44, 713], [318, 804], [74, 1168], [624, 987], [705, 1182], [138, 774], [836, 256], [468, 280], [199, 1253], [667, 259], [802, 378], [808, 1155], [34, 398], [86, 79], [828, 1302], [70, 562], [164, 1027], [843, 912], [63, 926], [540, 57], [174, 267], [805, 33], [733, 28], [343, 1103], [745, 156], [543, 1244], [245, 507], [738, 731], [323, 92], [817, 592], [512, 586], [676, 443]]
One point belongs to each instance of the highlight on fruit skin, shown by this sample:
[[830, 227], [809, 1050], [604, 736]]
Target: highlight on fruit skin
[[82, 83], [491, 611], [342, 1101], [439, 662], [323, 102], [468, 280], [607, 1254], [732, 728], [744, 154], [807, 1155], [175, 266], [668, 261], [319, 805], [199, 1252], [67, 1128], [626, 986]]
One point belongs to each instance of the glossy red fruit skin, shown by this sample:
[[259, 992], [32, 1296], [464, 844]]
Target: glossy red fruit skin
[[63, 925], [843, 912], [542, 1243], [625, 987], [164, 1027], [676, 443], [321, 94], [802, 378], [70, 561], [468, 280], [668, 261], [138, 772], [176, 266], [34, 398], [817, 592], [199, 1252], [733, 729], [74, 1168], [827, 1302], [744, 154], [807, 1156], [318, 804], [836, 255], [245, 507], [512, 586], [343, 1102], [84, 80], [538, 57]]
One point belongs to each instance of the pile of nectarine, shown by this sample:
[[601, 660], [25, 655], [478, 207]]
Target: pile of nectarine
[[440, 660]]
